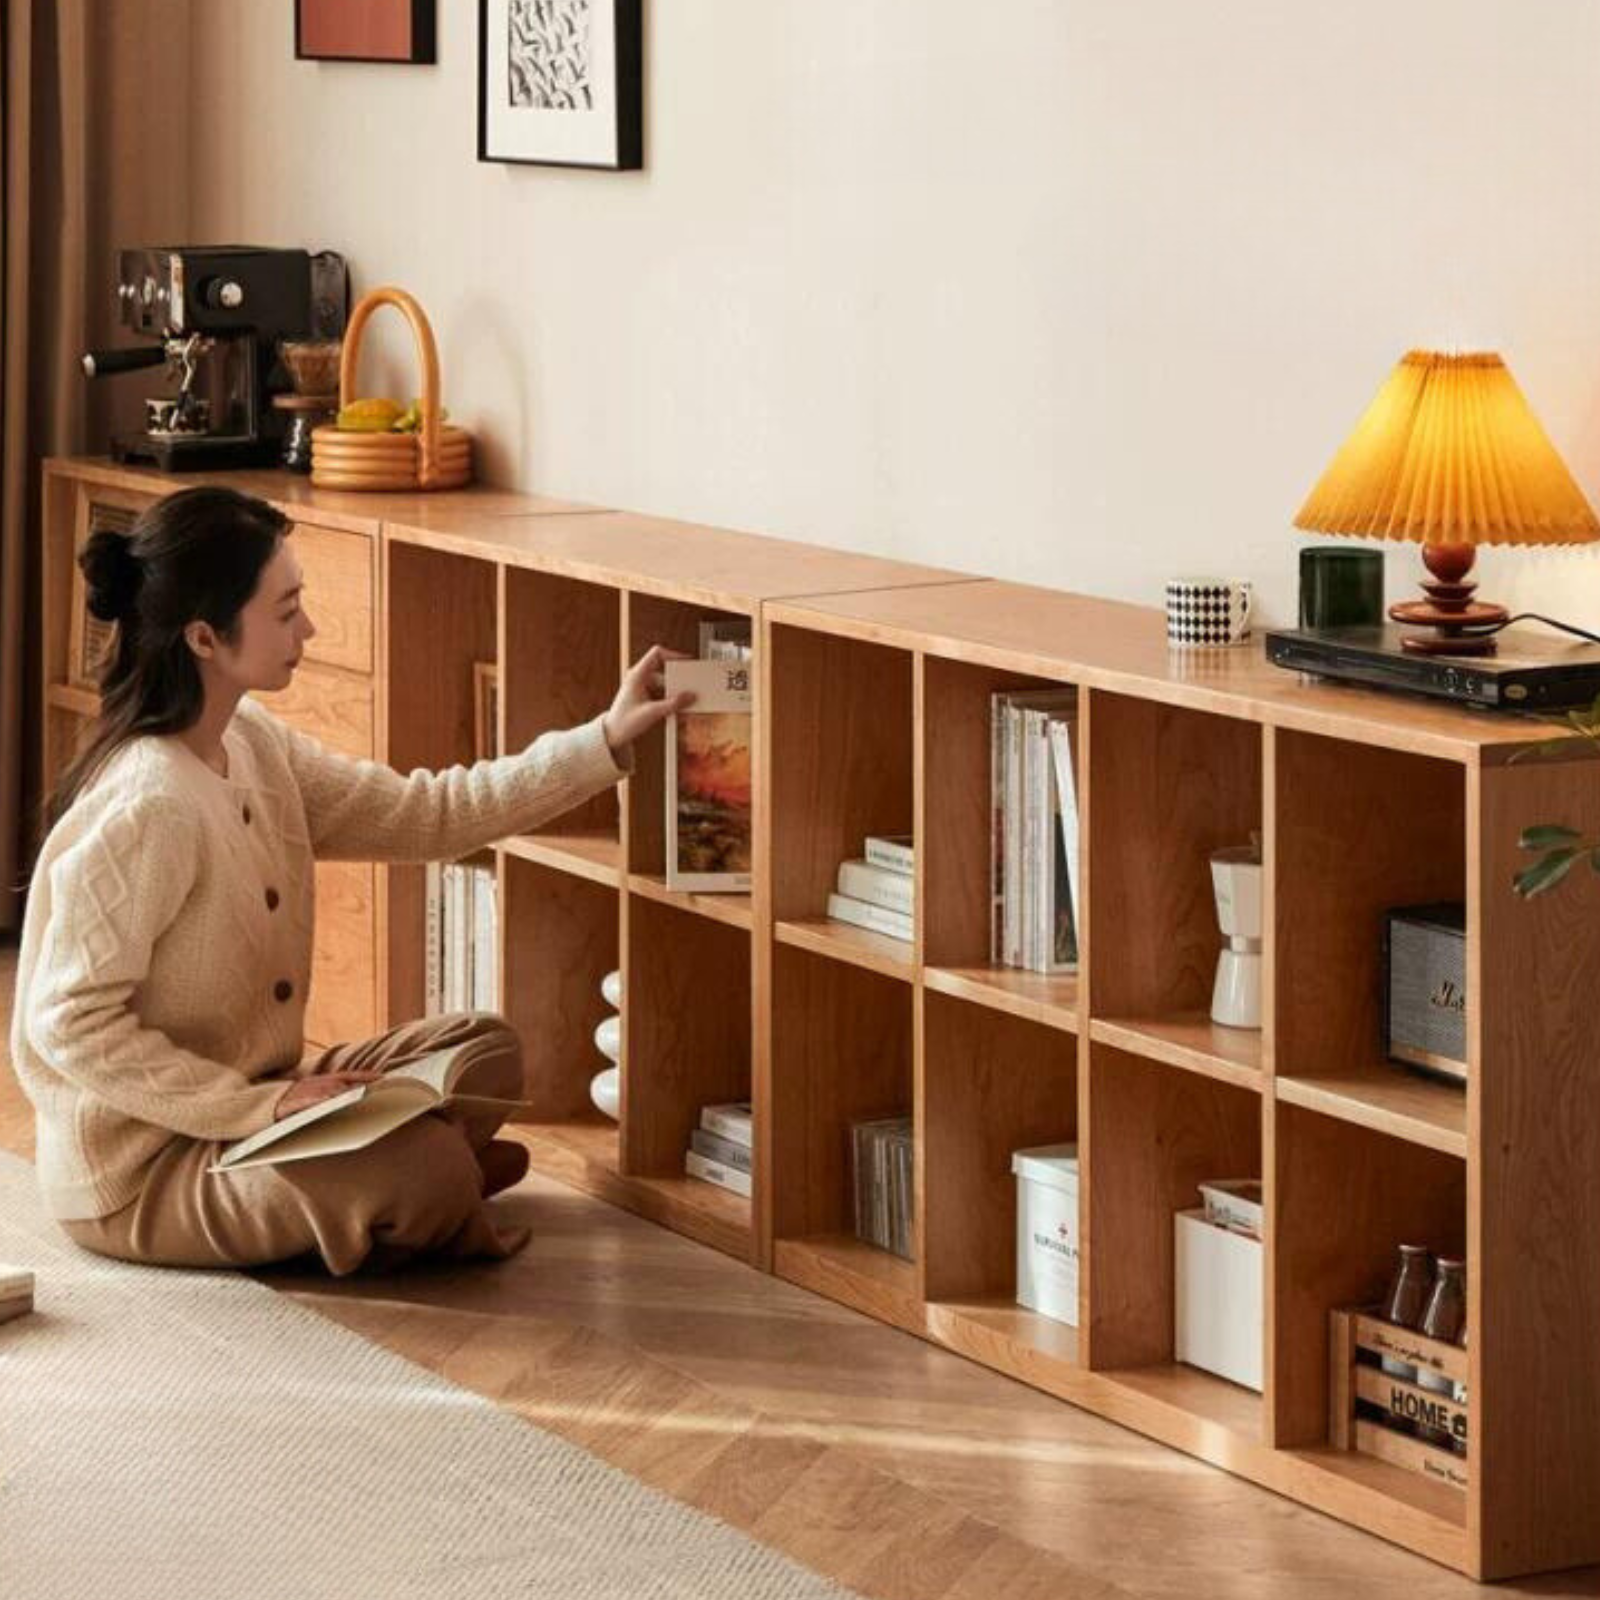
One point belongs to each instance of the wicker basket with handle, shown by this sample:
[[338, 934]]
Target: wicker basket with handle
[[434, 457]]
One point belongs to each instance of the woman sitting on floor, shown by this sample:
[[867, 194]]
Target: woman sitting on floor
[[166, 951]]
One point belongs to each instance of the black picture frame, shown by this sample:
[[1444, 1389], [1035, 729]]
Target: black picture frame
[[424, 38], [627, 25]]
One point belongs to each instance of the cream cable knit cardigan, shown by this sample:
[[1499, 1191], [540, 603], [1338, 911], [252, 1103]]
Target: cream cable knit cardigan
[[166, 950]]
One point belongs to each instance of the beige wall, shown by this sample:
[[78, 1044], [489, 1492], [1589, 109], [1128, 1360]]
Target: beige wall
[[139, 165], [1077, 291]]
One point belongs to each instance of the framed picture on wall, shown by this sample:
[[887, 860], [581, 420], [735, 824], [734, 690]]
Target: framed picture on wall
[[560, 82], [365, 30]]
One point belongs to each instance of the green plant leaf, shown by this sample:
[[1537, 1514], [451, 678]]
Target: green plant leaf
[[1594, 858], [1545, 873], [1547, 836]]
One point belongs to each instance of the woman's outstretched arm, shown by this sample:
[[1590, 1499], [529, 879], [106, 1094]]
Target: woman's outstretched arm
[[360, 810]]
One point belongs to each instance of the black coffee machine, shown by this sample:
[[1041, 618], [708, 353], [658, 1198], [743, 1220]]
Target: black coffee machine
[[217, 314]]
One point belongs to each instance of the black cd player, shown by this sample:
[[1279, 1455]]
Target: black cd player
[[1528, 672]]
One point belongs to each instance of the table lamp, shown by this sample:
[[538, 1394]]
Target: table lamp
[[1450, 456]]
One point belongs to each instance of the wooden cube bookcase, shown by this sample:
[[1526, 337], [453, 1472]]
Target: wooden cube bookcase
[[873, 684]]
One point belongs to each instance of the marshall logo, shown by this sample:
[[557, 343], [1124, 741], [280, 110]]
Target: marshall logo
[[1448, 997]]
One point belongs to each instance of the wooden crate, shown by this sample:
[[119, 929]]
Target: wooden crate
[[1357, 1343]]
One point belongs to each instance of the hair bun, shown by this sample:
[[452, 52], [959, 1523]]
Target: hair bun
[[113, 573]]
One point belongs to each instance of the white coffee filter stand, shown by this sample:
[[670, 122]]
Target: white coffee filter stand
[[1236, 881]]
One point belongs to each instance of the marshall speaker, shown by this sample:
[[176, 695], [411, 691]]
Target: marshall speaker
[[1425, 988]]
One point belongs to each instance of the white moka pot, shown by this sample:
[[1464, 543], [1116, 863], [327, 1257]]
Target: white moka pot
[[1236, 881]]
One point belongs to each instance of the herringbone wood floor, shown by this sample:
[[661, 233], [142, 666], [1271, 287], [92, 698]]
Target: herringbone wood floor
[[894, 1467]]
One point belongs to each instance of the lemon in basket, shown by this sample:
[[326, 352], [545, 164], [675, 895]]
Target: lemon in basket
[[370, 416], [410, 420]]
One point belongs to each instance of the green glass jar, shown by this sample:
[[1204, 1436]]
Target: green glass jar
[[1341, 587]]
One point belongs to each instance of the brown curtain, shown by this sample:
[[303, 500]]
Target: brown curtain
[[45, 157]]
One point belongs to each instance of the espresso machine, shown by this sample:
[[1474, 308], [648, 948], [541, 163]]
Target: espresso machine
[[216, 315]]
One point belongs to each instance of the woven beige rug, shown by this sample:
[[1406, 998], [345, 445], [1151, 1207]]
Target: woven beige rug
[[198, 1436]]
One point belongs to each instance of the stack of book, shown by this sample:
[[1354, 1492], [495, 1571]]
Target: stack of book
[[462, 938], [876, 890], [1034, 806], [709, 764], [882, 1160], [719, 1149]]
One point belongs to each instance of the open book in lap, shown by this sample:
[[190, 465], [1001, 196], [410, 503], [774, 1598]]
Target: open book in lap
[[363, 1114]]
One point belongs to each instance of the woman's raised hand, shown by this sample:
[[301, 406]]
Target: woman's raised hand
[[641, 702], [320, 1086]]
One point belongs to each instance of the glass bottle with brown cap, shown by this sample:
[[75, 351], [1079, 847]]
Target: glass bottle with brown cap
[[1445, 1320], [1406, 1302]]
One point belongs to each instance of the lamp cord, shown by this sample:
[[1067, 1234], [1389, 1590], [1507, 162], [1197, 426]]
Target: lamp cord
[[1532, 616]]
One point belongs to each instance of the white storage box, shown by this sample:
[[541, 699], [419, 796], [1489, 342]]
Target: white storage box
[[1047, 1230], [1217, 1322]]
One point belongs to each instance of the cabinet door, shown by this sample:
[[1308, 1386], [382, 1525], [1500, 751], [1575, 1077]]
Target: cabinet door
[[339, 594], [344, 979], [335, 708]]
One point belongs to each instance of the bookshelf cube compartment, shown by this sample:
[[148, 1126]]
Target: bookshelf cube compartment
[[841, 1053], [442, 611], [559, 937], [650, 620], [1346, 1198], [1155, 1134], [992, 1084], [561, 663], [840, 734], [1338, 872], [957, 807], [1167, 786], [686, 986], [441, 624]]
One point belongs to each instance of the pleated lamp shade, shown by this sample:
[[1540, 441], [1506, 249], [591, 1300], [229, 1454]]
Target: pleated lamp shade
[[1450, 453]]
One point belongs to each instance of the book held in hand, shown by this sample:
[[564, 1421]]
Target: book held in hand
[[364, 1113], [709, 767]]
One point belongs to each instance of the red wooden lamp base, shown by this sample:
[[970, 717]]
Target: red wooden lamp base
[[1449, 608]]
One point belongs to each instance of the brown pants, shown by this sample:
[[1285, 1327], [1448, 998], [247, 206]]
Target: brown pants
[[416, 1191]]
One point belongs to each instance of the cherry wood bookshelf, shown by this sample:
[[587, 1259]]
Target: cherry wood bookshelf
[[1363, 802], [873, 680]]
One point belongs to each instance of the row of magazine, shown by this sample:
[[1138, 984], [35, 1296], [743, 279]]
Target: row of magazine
[[881, 1167], [1034, 807], [462, 922]]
